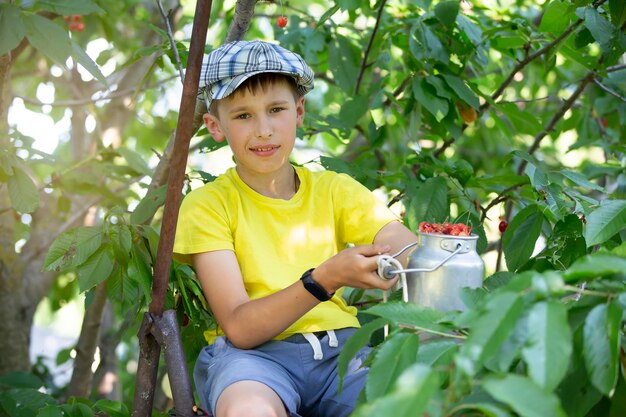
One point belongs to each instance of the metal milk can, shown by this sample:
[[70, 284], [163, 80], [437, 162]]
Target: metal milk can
[[439, 267]]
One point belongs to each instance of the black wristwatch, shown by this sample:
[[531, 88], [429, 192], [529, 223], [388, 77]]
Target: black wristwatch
[[314, 288]]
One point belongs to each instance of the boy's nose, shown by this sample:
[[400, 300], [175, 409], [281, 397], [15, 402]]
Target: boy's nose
[[264, 128]]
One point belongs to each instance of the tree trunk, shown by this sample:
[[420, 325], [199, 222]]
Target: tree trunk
[[14, 341], [80, 384]]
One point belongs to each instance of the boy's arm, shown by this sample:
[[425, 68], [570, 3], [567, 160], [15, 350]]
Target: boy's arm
[[397, 235], [249, 323]]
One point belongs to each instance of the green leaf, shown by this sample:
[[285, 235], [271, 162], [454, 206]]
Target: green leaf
[[409, 314], [522, 121], [327, 15], [431, 102], [446, 12], [441, 89], [23, 192], [461, 170], [617, 10], [497, 280], [534, 170], [70, 7], [549, 344], [409, 398], [120, 238], [429, 203], [72, 248], [521, 235], [485, 409], [392, 358], [594, 266], [601, 340], [489, 330], [605, 221], [556, 201], [472, 30], [425, 45], [523, 395], [582, 181], [79, 410], [88, 63], [24, 402], [462, 90], [20, 379], [12, 29], [149, 205], [343, 63], [352, 110], [96, 269], [356, 342], [554, 19], [601, 29], [51, 410], [48, 37], [511, 348], [112, 408], [135, 161], [336, 164], [139, 270], [432, 352]]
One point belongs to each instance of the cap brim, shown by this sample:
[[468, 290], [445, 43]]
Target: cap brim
[[228, 86]]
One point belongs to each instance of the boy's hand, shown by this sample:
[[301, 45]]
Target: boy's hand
[[353, 267]]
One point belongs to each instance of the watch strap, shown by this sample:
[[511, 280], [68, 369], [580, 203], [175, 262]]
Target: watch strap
[[314, 287]]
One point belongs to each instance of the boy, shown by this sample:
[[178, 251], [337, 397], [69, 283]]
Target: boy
[[268, 244]]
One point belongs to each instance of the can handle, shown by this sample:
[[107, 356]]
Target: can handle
[[389, 273]]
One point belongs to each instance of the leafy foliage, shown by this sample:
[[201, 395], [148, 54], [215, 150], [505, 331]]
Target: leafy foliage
[[471, 112], [526, 348]]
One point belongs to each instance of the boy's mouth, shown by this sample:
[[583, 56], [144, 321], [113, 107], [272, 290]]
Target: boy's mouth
[[263, 148]]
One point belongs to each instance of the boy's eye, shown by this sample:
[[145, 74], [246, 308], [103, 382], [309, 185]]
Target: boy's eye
[[242, 116], [277, 109]]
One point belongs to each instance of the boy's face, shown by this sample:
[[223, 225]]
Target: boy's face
[[260, 127]]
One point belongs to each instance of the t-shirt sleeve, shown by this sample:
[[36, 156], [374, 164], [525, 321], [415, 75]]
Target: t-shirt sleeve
[[203, 225], [360, 213]]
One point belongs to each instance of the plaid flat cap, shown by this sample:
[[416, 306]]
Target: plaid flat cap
[[225, 68]]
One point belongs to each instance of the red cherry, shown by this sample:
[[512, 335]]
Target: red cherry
[[281, 21], [185, 320], [604, 122], [502, 226], [77, 17]]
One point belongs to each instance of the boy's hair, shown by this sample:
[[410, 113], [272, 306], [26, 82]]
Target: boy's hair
[[257, 83], [227, 67]]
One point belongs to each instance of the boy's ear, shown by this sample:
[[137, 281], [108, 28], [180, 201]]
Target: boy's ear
[[300, 111], [212, 124]]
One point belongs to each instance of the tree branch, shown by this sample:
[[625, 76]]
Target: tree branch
[[608, 90], [499, 199], [244, 10], [368, 48], [170, 35], [83, 102], [555, 119], [534, 56]]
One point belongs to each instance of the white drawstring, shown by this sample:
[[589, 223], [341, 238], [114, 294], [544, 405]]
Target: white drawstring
[[318, 355], [315, 344], [332, 339]]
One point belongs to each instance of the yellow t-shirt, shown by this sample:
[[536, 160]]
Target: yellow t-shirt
[[276, 240]]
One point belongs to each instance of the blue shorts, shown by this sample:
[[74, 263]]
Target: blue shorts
[[307, 386]]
